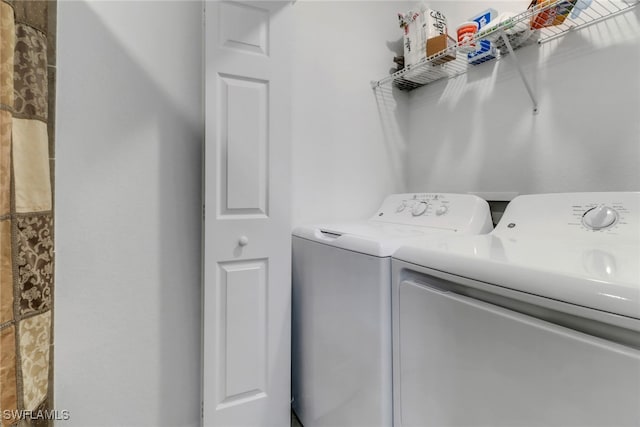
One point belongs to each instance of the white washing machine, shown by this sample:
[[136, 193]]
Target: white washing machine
[[341, 343], [535, 324]]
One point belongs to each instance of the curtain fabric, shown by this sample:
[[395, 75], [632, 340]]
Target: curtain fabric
[[27, 75]]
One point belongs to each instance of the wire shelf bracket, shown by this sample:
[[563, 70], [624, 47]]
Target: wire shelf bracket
[[520, 71]]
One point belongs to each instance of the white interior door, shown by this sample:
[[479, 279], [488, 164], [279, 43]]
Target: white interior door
[[247, 243]]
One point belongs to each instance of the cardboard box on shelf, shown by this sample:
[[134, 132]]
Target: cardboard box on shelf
[[419, 27], [438, 44], [554, 15]]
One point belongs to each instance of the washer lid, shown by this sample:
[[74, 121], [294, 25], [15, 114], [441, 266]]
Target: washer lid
[[403, 217], [542, 246], [369, 237]]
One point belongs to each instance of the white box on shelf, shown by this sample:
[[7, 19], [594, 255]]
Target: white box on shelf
[[418, 28]]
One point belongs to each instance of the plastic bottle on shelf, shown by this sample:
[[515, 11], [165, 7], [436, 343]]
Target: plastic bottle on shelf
[[579, 7]]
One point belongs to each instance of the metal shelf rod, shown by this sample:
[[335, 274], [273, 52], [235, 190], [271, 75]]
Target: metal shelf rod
[[519, 68]]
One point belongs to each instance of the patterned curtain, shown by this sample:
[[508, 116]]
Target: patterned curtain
[[27, 73]]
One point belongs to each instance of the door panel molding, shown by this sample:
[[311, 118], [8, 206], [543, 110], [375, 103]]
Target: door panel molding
[[243, 115], [244, 27], [242, 331]]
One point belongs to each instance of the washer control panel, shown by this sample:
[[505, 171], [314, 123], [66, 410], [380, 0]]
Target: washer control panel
[[605, 216], [419, 204], [609, 213], [441, 210]]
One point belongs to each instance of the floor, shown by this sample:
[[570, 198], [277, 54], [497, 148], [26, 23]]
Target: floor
[[295, 422]]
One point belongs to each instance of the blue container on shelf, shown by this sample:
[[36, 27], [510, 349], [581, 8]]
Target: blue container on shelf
[[486, 49], [485, 52], [483, 18]]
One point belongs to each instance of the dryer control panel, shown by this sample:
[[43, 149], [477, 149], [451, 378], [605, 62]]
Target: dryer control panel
[[455, 212], [584, 214]]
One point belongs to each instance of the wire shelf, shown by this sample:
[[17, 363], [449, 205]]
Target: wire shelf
[[517, 30]]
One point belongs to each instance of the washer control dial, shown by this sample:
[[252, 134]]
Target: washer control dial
[[401, 206], [441, 210], [599, 217], [419, 208]]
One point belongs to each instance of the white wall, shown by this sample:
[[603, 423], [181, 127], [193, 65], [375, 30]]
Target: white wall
[[348, 144], [478, 133], [129, 140]]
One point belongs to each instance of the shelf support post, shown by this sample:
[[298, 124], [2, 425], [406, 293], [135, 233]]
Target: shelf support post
[[519, 68]]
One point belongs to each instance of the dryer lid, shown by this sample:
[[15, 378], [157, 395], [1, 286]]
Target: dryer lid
[[544, 246]]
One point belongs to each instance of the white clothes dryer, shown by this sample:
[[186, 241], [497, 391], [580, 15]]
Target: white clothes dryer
[[535, 324], [341, 342]]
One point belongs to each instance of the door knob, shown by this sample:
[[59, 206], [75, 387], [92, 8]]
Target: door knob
[[243, 241]]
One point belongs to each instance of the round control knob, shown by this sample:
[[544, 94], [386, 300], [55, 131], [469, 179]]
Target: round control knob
[[599, 217], [243, 240], [441, 210], [419, 208], [401, 207]]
